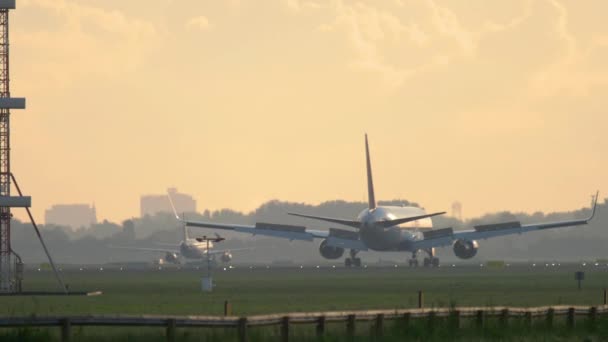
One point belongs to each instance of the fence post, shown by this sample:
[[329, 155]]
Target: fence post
[[592, 316], [550, 315], [350, 326], [66, 330], [570, 318], [242, 329], [431, 320], [504, 317], [605, 297], [420, 299], [285, 329], [320, 326], [406, 319], [528, 319], [379, 327], [456, 319], [170, 333], [227, 308], [479, 318]]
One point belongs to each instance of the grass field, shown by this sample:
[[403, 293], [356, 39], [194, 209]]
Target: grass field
[[260, 290], [257, 291]]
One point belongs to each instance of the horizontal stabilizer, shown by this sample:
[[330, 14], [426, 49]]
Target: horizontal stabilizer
[[396, 222], [350, 223]]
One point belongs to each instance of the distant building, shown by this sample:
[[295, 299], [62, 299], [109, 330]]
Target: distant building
[[71, 215], [152, 204], [457, 210]]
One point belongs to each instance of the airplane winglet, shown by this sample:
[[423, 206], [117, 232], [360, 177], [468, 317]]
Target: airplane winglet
[[597, 195], [173, 207], [371, 198]]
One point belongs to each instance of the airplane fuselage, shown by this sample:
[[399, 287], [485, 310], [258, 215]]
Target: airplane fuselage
[[193, 249], [394, 238]]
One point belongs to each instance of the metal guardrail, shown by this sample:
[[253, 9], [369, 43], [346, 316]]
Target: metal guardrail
[[377, 317]]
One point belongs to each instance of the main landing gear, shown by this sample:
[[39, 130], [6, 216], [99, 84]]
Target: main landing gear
[[353, 261], [431, 261], [413, 262]]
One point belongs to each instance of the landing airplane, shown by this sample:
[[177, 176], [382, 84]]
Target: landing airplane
[[389, 229], [188, 248]]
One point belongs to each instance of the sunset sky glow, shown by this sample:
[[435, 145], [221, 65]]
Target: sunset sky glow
[[500, 105]]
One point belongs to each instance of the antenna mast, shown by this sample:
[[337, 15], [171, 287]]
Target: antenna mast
[[11, 266]]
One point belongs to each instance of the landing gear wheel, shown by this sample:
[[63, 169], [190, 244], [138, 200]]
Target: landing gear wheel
[[413, 262], [431, 261], [353, 261]]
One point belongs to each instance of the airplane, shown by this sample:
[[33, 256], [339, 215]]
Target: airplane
[[188, 248], [388, 229]]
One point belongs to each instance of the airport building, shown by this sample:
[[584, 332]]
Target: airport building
[[153, 204], [71, 215]]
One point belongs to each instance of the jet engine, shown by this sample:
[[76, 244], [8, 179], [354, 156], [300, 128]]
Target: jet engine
[[172, 258], [465, 249], [226, 257], [330, 252]]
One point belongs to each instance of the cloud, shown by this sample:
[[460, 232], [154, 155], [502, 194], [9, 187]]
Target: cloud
[[200, 23], [92, 41], [402, 39], [447, 24], [573, 73], [366, 28], [298, 5], [379, 36]]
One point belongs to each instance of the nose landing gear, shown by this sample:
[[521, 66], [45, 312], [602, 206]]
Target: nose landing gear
[[353, 261]]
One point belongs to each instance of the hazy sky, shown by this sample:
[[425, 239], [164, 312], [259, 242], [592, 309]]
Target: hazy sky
[[498, 104]]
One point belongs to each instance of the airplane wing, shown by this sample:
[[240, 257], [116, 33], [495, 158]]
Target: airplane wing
[[445, 237], [334, 237], [222, 251], [266, 229], [176, 245], [164, 250]]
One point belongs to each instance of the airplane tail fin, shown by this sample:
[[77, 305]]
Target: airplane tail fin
[[185, 231], [371, 199], [182, 219], [173, 207]]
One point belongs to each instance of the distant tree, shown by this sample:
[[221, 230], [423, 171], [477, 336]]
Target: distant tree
[[92, 245], [128, 229]]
